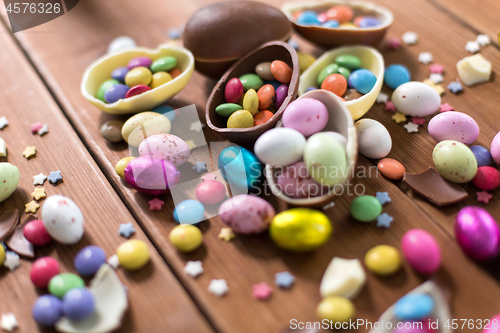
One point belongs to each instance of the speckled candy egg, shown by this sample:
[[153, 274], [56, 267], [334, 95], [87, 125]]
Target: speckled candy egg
[[246, 214], [143, 125], [477, 233], [495, 148], [280, 146], [306, 115], [416, 99], [421, 251], [151, 176], [454, 161], [9, 178], [373, 138], [63, 219], [165, 146], [452, 125]]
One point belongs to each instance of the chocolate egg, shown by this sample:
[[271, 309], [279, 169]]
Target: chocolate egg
[[221, 33], [151, 176]]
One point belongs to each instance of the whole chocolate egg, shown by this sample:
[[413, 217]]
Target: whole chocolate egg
[[221, 33], [151, 176]]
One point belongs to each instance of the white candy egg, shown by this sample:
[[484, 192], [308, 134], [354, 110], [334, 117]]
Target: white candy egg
[[63, 219], [373, 138], [280, 146], [416, 99]]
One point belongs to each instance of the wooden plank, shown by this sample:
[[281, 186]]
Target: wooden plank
[[157, 300], [250, 260]]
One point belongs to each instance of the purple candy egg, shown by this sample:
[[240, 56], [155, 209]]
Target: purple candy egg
[[78, 303], [477, 233], [296, 182], [89, 259], [368, 22], [119, 74], [151, 176], [115, 93], [281, 94], [47, 310], [140, 62]]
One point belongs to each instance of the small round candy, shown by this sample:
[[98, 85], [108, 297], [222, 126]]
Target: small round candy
[[137, 90], [251, 81], [368, 22], [421, 251], [102, 89], [89, 259], [122, 164], [335, 83], [395, 75], [115, 92], [308, 17], [251, 101], [383, 260], [139, 62], [281, 71], [47, 310], [262, 117], [159, 79], [60, 284], [175, 72], [263, 70], [164, 64], [342, 14], [281, 94], [414, 307], [362, 80], [189, 212], [112, 131], [240, 119], [266, 95], [119, 74], [483, 156], [2, 254], [186, 237], [210, 192], [330, 69], [133, 254], [36, 233], [344, 72], [365, 208], [233, 91], [305, 61], [78, 303], [336, 308], [331, 24], [487, 178], [348, 61], [138, 76], [357, 19], [390, 168], [43, 270]]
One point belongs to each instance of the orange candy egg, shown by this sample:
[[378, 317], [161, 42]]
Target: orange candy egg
[[266, 96], [335, 83], [390, 168], [175, 72], [262, 117], [340, 13], [281, 71]]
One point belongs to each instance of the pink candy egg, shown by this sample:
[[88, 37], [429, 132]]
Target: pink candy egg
[[211, 192], [487, 178], [43, 270], [495, 148], [246, 214], [137, 90], [453, 125], [477, 233], [306, 115], [36, 233], [421, 251], [233, 91], [151, 176], [165, 146], [296, 182]]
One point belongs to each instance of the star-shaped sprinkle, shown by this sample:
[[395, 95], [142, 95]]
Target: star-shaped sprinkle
[[425, 58], [11, 260], [156, 204], [393, 43], [8, 322], [208, 176], [399, 117], [114, 261], [227, 234], [29, 151], [3, 122], [218, 287], [39, 179], [418, 120], [384, 220], [284, 280], [455, 87], [38, 193], [389, 106], [261, 291], [410, 38], [191, 144], [31, 207], [483, 40], [437, 87], [411, 127], [436, 78], [383, 197], [382, 97], [194, 268], [44, 130], [36, 127], [55, 176], [445, 107], [196, 126], [200, 167], [472, 47], [328, 205], [436, 68], [126, 230], [483, 196]]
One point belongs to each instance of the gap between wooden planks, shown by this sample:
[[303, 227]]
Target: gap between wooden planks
[[251, 260], [157, 300]]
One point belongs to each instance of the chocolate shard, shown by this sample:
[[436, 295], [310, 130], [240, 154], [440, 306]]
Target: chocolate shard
[[18, 243], [8, 222]]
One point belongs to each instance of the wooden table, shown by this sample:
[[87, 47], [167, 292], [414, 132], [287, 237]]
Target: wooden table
[[40, 73]]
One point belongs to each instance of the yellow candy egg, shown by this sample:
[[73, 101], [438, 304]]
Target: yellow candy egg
[[122, 164], [240, 119], [159, 79], [138, 75], [383, 260], [305, 60], [186, 237], [251, 102], [133, 254], [2, 254], [348, 25], [336, 308]]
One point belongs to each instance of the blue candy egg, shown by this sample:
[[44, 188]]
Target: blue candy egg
[[330, 24], [308, 17], [240, 168], [368, 22], [189, 212], [414, 307], [311, 89], [78, 303], [89, 259], [362, 80], [395, 75], [275, 84], [167, 111], [483, 155], [119, 74], [47, 310], [115, 93]]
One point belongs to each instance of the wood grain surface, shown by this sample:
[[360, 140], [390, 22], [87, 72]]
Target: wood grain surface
[[61, 50]]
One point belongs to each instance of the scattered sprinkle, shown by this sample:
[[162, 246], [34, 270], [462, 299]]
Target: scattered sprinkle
[[191, 145], [284, 280], [8, 322], [399, 117], [418, 120], [483, 196], [393, 43], [208, 176], [200, 167], [196, 126], [55, 176], [156, 204], [11, 260], [483, 40], [44, 130], [227, 234], [436, 68], [383, 197], [29, 151], [410, 38], [472, 47], [126, 230], [38, 193], [113, 261], [436, 78], [411, 127], [446, 107], [36, 127], [437, 87], [39, 179], [425, 58], [218, 287], [384, 220], [455, 87], [194, 268], [261, 291], [382, 97], [3, 122], [389, 106], [328, 205], [31, 207]]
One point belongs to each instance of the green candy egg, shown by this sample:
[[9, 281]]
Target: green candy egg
[[164, 64], [60, 284], [365, 208], [104, 87], [251, 81], [348, 61], [226, 109], [325, 159], [330, 69], [454, 161], [9, 179], [344, 72]]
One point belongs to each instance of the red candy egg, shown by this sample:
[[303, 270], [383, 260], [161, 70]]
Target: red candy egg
[[43, 270], [36, 233], [487, 178], [211, 192]]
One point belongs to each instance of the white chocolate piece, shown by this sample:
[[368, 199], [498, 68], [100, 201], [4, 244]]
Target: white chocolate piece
[[3, 148], [343, 277], [474, 69]]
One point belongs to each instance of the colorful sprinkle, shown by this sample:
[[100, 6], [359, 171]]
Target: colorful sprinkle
[[36, 127], [31, 207], [284, 280], [411, 128], [383, 197], [389, 106], [3, 122], [436, 68], [218, 287], [399, 117], [11, 260], [384, 220], [418, 120], [393, 44], [455, 87], [227, 234], [156, 204], [39, 179], [410, 38], [200, 167], [194, 268], [261, 291], [472, 47], [55, 176], [425, 58], [483, 196], [126, 230], [29, 151], [446, 107], [38, 193]]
